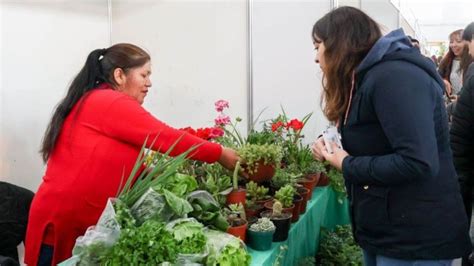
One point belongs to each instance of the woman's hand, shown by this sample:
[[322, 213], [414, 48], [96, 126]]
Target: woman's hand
[[336, 157], [229, 158], [317, 148]]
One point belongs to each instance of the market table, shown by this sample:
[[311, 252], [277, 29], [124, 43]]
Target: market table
[[323, 210]]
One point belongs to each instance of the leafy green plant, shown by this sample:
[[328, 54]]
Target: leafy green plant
[[252, 155], [189, 236], [208, 213], [216, 181], [336, 181], [256, 192], [263, 225], [179, 184], [236, 211], [285, 195], [285, 176], [231, 256], [161, 171], [149, 244], [339, 248], [263, 137]]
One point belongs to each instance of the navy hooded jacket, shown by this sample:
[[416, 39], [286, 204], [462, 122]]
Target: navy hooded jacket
[[405, 199]]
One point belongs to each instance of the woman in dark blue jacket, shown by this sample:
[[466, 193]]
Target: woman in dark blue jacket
[[386, 99]]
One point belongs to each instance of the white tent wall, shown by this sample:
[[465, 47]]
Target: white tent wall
[[43, 45], [382, 11], [199, 55], [284, 71]]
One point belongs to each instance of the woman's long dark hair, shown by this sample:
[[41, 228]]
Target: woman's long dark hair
[[99, 68], [348, 35]]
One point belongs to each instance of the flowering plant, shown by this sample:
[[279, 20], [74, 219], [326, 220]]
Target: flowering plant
[[289, 133]]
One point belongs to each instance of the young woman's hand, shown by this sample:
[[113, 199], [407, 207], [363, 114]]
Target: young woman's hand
[[336, 157], [317, 148]]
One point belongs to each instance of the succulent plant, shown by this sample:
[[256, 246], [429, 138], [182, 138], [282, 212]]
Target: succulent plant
[[285, 195], [277, 208], [263, 225]]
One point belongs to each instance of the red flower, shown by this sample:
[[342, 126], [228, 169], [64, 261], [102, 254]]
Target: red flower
[[295, 124], [204, 133], [216, 132], [276, 126], [190, 130]]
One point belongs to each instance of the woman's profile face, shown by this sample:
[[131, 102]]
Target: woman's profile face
[[320, 48], [137, 82]]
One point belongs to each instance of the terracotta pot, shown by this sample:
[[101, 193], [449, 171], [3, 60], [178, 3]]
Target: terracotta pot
[[264, 172], [309, 182], [238, 228], [269, 206], [262, 202], [236, 196], [323, 180], [254, 212], [304, 192], [297, 201]]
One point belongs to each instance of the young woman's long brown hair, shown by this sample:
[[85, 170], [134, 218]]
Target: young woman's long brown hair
[[446, 63], [348, 35]]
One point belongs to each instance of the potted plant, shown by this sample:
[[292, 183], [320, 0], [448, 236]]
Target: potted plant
[[285, 196], [237, 195], [281, 220], [284, 177], [237, 221], [260, 160], [298, 202], [252, 209], [304, 193], [260, 234], [259, 194]]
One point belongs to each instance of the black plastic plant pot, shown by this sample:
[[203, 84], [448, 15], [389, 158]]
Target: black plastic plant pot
[[282, 223], [260, 240]]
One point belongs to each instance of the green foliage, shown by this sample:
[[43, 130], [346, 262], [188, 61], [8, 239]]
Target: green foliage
[[336, 181], [251, 154], [285, 195], [339, 248], [190, 237], [284, 177], [216, 181], [208, 213], [280, 256], [307, 261], [149, 244], [179, 184], [160, 172], [232, 256], [256, 192], [123, 215], [263, 137]]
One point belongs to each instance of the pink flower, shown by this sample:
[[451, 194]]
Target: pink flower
[[222, 120], [221, 105], [216, 132]]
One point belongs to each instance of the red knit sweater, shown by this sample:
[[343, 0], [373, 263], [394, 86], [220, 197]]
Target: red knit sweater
[[98, 144]]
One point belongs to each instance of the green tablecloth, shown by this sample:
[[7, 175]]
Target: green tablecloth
[[323, 210]]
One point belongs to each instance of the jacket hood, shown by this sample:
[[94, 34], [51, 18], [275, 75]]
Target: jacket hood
[[396, 46]]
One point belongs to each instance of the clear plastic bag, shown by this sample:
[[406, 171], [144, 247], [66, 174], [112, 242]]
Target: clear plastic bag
[[97, 239], [218, 242], [152, 205], [203, 194]]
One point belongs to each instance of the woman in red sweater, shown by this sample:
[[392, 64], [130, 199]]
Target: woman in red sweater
[[94, 137]]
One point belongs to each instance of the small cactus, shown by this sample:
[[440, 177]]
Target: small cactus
[[277, 208]]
